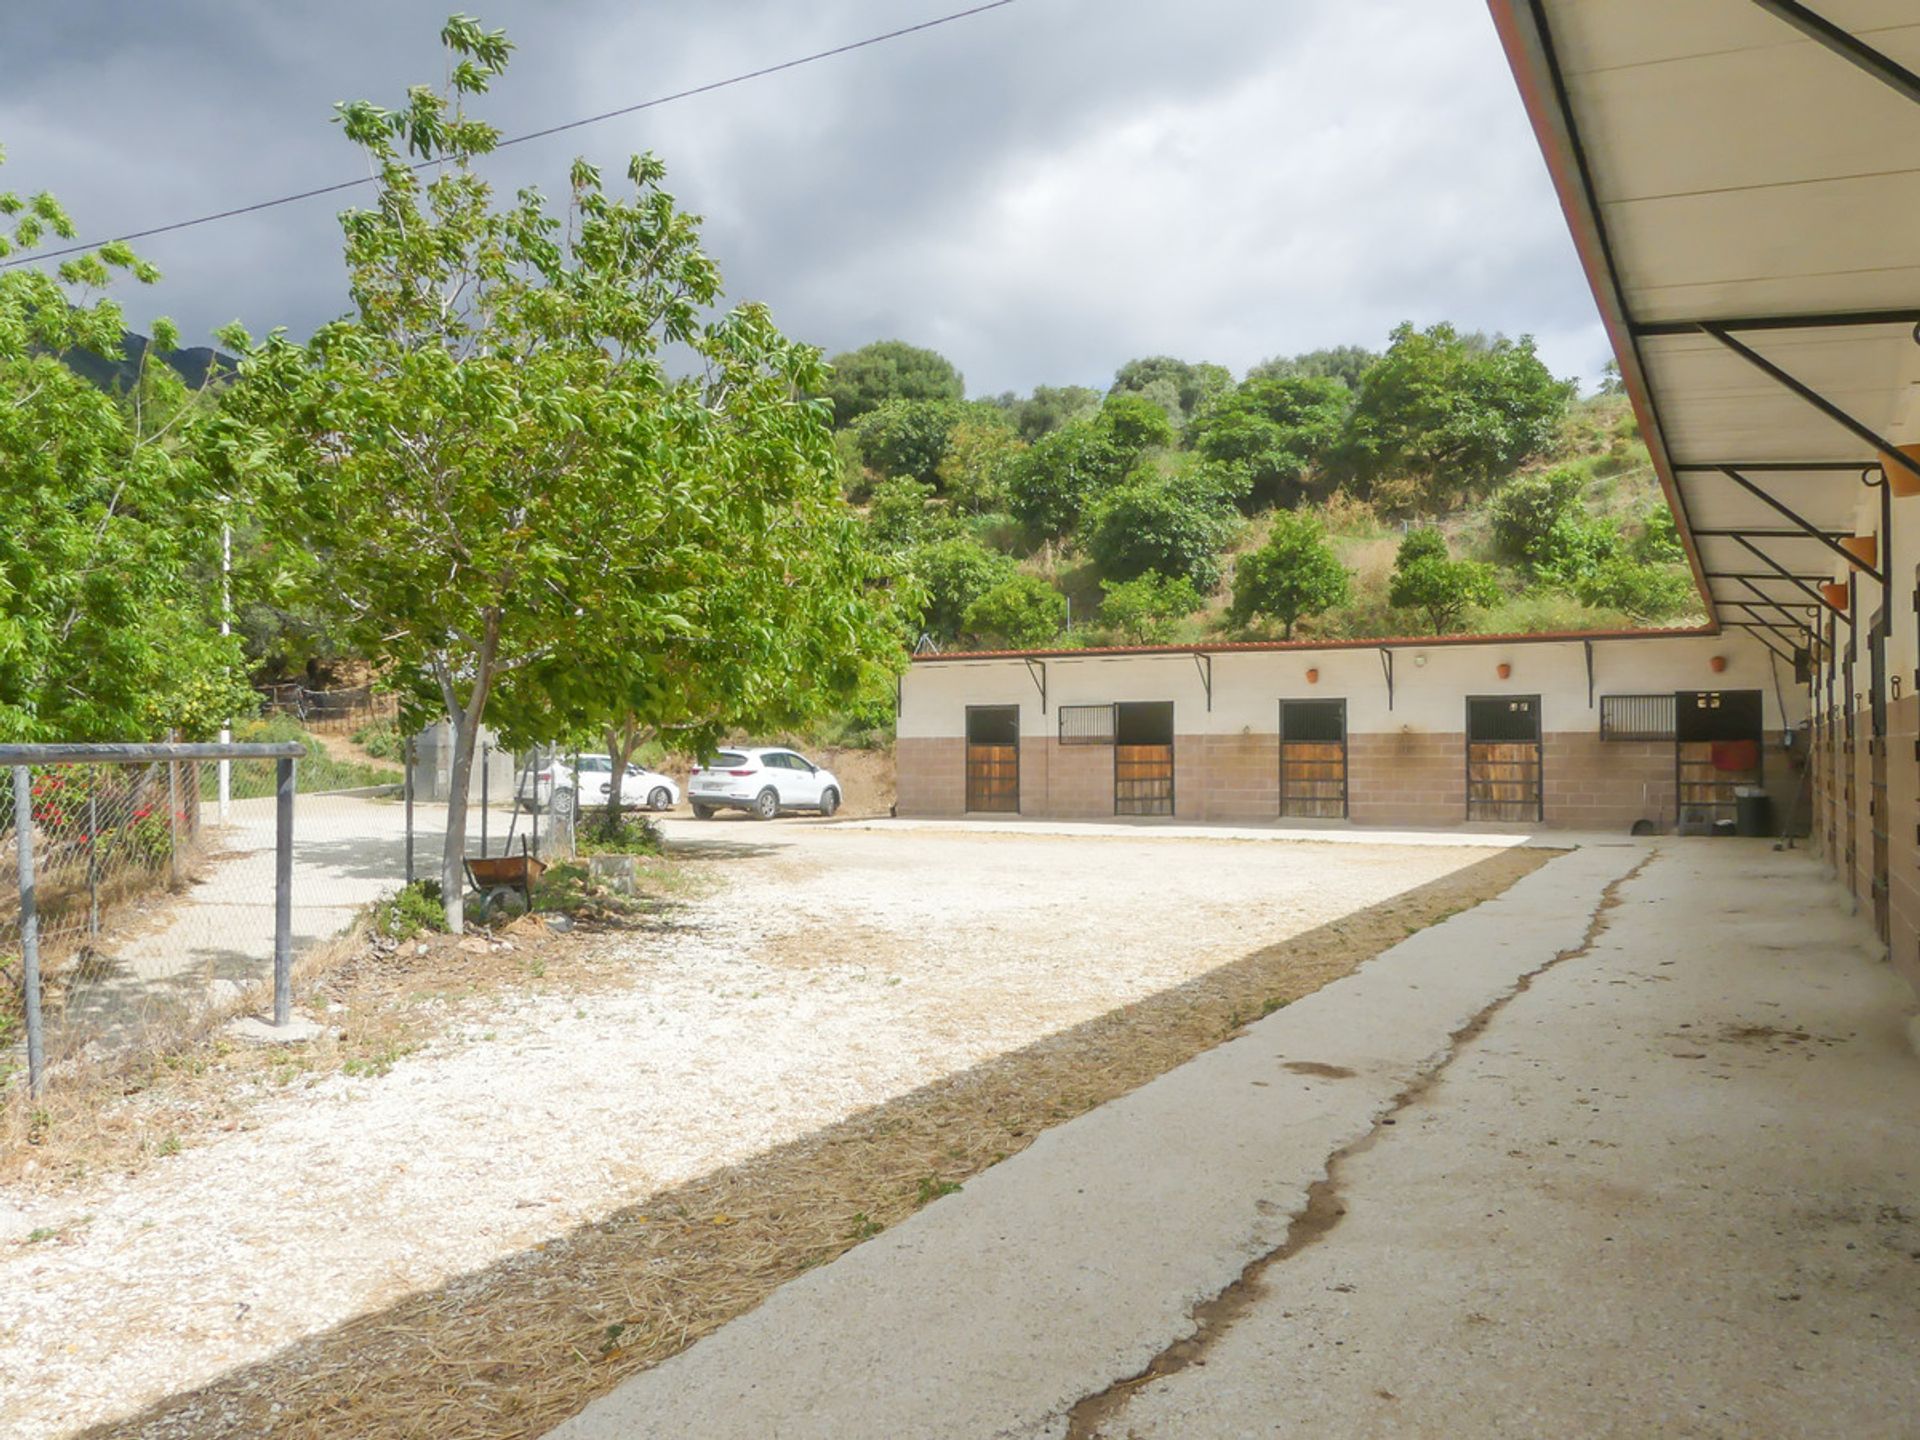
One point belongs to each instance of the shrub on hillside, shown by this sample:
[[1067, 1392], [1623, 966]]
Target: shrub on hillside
[[1427, 579], [1293, 576], [1147, 609], [1170, 524], [1021, 611]]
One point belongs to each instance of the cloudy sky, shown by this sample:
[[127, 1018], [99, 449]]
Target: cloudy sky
[[1040, 192]]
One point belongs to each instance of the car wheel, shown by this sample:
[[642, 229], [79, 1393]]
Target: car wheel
[[703, 812], [766, 804], [659, 799], [829, 801]]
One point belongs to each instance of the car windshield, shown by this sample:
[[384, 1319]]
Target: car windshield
[[727, 760], [596, 764]]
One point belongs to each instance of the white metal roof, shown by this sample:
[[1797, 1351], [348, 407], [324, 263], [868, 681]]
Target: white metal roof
[[1757, 163]]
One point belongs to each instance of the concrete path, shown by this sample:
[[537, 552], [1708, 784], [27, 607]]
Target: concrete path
[[1631, 1149], [207, 944]]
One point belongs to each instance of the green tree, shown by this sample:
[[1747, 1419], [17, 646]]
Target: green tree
[[1427, 579], [112, 523], [900, 514], [906, 437], [952, 574], [1047, 409], [864, 379], [1523, 513], [1173, 524], [1060, 472], [1276, 430], [1345, 363], [1022, 611], [526, 515], [1443, 415], [1644, 592], [982, 449], [1192, 385], [1147, 609], [1136, 423], [1293, 576]]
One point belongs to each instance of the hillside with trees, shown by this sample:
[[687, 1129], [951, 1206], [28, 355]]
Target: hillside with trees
[[1447, 482]]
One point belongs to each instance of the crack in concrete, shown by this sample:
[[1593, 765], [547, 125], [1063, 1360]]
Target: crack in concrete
[[1324, 1209]]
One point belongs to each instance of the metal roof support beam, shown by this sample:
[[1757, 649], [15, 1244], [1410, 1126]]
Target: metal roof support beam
[[1037, 672], [1765, 599], [1813, 397], [1812, 320], [1774, 467], [1734, 532], [1386, 664], [1759, 575], [1781, 570], [1760, 633], [1845, 44], [1203, 662], [1784, 509], [1587, 645]]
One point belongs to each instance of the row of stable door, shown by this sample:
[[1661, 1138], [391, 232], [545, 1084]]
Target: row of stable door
[[1504, 754], [1503, 757]]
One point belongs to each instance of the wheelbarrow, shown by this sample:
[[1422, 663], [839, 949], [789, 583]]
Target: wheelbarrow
[[496, 879]]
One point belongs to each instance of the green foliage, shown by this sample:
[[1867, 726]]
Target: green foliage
[[1021, 611], [953, 574], [1294, 575], [410, 910], [1062, 471], [1442, 415], [1275, 430], [107, 629], [981, 451], [626, 835], [1047, 409], [1147, 609], [1172, 524], [314, 773], [1190, 386], [899, 516], [863, 380], [1642, 591], [905, 438], [1442, 589], [528, 515], [1136, 423], [1523, 513], [1658, 542], [1346, 363], [381, 739]]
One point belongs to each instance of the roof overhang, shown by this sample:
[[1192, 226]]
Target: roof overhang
[[1742, 179]]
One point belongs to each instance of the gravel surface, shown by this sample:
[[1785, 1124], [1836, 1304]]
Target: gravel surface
[[831, 969]]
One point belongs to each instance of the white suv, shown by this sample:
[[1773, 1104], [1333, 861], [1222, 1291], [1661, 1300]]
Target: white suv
[[763, 780]]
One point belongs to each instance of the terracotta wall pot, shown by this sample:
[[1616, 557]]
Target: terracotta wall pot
[[1313, 677], [1901, 480], [1717, 664], [1505, 669], [1834, 592], [1864, 548]]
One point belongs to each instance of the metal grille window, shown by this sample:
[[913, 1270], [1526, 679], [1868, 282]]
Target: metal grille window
[[1636, 717], [1086, 724]]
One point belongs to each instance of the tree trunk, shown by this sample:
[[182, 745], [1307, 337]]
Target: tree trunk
[[453, 855]]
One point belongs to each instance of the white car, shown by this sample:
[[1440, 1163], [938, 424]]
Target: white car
[[639, 787], [764, 780]]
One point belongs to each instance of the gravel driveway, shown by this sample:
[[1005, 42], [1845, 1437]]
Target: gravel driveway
[[830, 968]]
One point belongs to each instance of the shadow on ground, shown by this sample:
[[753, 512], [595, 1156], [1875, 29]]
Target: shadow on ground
[[514, 1348]]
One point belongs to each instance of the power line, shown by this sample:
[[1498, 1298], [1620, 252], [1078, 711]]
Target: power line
[[658, 100]]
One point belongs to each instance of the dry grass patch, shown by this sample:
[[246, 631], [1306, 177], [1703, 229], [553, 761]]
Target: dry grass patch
[[513, 1349]]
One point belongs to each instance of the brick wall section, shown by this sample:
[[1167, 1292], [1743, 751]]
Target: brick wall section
[[1407, 778], [1079, 782], [932, 776], [1595, 784], [1238, 777]]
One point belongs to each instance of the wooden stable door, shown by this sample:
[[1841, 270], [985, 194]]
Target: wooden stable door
[[1504, 758], [1143, 759], [993, 759], [1313, 759]]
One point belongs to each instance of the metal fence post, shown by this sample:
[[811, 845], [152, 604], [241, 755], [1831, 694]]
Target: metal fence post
[[93, 857], [173, 821], [283, 893], [407, 761], [29, 929]]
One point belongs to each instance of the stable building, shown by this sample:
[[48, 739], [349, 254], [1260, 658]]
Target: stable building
[[1664, 730]]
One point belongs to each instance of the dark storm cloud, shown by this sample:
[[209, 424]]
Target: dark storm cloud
[[1041, 192]]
